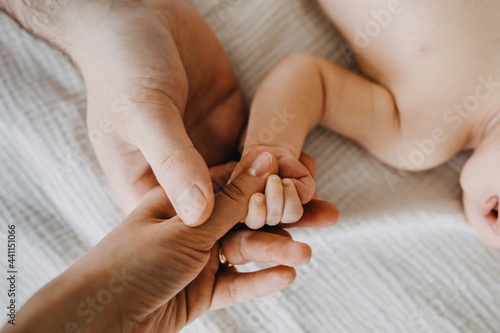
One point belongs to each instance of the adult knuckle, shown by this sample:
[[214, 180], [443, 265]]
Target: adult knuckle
[[166, 161], [235, 191]]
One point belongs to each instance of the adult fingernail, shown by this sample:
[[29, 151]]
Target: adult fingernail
[[192, 203], [261, 165]]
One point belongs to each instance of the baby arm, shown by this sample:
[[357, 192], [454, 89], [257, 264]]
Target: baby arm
[[299, 93]]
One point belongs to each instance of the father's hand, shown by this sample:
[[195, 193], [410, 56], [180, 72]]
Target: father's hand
[[158, 75], [163, 101]]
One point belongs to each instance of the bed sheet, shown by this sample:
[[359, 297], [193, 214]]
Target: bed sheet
[[402, 258]]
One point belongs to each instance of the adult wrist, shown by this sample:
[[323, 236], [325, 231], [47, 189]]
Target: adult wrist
[[68, 304]]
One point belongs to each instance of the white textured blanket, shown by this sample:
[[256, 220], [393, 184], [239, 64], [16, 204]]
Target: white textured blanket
[[402, 259]]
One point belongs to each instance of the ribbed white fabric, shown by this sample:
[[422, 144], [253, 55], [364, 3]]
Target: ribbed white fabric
[[402, 259]]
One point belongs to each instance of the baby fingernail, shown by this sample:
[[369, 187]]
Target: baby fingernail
[[261, 165], [259, 200], [275, 178], [192, 203], [287, 181]]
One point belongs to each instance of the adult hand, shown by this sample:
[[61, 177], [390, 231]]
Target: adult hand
[[163, 101], [156, 70], [154, 274]]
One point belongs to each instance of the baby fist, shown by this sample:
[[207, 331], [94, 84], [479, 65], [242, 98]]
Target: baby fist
[[283, 198]]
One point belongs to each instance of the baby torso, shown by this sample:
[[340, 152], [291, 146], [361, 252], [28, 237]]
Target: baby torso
[[439, 59]]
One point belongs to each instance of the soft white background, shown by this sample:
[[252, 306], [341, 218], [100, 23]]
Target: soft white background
[[402, 259]]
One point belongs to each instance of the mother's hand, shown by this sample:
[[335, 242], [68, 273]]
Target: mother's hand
[[154, 274]]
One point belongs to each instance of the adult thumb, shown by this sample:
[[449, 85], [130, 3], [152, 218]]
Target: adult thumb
[[231, 204], [179, 168]]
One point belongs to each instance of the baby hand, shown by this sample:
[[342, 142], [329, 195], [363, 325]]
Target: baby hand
[[283, 199], [279, 204]]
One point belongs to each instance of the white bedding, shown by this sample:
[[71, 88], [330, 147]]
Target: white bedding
[[402, 259]]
